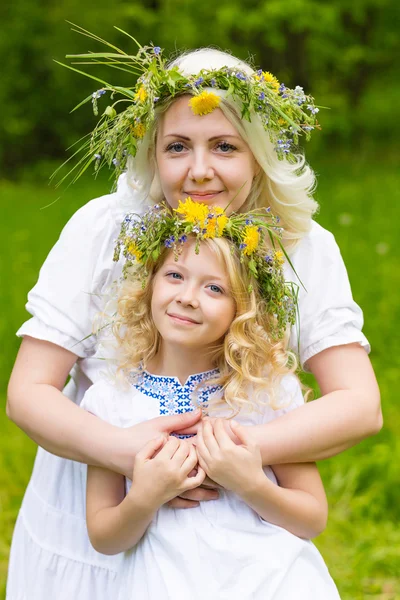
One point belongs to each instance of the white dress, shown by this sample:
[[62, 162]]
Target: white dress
[[51, 556], [221, 549]]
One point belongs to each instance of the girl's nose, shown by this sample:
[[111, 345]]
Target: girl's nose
[[201, 166], [187, 296]]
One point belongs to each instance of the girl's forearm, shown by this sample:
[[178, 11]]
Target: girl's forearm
[[295, 510], [319, 429], [64, 429], [118, 528]]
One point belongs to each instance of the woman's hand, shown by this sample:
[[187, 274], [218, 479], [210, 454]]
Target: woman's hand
[[235, 467], [161, 470], [132, 439]]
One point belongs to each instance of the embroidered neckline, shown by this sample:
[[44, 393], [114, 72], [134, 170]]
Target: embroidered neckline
[[174, 397]]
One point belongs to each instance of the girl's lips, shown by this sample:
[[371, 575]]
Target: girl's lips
[[182, 320]]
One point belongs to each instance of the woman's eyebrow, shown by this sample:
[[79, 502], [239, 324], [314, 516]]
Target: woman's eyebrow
[[214, 137]]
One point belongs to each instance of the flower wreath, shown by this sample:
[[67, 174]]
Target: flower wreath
[[285, 113], [256, 234]]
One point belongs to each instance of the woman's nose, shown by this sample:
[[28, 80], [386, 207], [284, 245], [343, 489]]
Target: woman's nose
[[201, 166]]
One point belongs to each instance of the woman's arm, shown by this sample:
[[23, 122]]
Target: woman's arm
[[161, 471], [348, 411], [297, 504], [36, 404]]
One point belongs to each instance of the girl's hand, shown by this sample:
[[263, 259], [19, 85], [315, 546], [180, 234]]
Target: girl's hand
[[161, 470], [235, 467], [132, 439]]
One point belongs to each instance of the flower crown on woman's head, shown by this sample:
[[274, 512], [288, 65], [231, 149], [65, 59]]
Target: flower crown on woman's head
[[142, 239], [285, 113]]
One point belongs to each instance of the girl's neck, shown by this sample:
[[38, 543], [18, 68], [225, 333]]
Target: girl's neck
[[173, 361]]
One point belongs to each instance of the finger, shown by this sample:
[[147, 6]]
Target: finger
[[243, 433], [199, 494], [170, 447], [150, 448], [182, 453], [190, 461], [193, 482], [191, 430], [182, 503], [220, 434], [209, 438], [172, 423], [202, 450]]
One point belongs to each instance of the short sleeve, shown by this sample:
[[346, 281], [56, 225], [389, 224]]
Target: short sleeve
[[328, 315], [99, 401], [79, 268]]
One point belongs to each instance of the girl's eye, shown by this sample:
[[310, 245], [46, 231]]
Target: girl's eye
[[174, 275], [216, 289], [176, 148], [225, 147]]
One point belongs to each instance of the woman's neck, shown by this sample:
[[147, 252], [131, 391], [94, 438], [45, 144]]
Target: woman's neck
[[176, 361]]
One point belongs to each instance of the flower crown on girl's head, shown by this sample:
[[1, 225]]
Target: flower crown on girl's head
[[285, 113], [142, 239]]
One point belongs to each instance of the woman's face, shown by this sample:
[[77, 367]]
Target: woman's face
[[203, 157]]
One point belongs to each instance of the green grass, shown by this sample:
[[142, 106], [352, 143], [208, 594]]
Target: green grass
[[359, 198]]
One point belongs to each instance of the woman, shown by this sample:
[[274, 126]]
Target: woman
[[179, 156]]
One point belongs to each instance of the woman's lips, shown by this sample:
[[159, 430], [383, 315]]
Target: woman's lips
[[202, 195]]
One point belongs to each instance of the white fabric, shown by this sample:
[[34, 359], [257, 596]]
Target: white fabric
[[222, 549], [63, 304]]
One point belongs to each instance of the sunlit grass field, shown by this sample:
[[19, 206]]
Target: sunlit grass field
[[360, 204]]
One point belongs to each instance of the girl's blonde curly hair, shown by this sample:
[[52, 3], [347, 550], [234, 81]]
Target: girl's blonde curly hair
[[250, 362]]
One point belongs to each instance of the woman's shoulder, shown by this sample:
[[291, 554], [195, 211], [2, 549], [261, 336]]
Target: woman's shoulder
[[107, 211]]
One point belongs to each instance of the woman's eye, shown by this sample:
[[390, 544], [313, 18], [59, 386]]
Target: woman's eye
[[176, 147], [225, 147]]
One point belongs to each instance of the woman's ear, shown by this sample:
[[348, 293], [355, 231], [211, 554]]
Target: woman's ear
[[257, 169]]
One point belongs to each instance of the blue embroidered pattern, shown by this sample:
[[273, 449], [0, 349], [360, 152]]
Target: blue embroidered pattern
[[174, 397]]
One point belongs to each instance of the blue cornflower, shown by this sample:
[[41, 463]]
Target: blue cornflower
[[261, 96], [115, 162], [213, 82], [259, 72], [241, 76], [242, 246], [98, 93], [156, 99], [183, 239], [268, 259], [199, 81], [282, 88], [97, 156], [157, 50], [169, 242], [314, 110]]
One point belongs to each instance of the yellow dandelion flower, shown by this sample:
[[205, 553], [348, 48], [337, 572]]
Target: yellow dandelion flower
[[193, 212], [251, 239], [138, 130], [215, 226], [269, 78], [134, 250], [279, 257], [141, 94], [204, 103]]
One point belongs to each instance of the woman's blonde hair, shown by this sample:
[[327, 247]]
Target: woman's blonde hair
[[250, 362], [284, 186]]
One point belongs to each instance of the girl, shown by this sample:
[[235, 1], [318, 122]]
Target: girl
[[188, 326], [178, 155]]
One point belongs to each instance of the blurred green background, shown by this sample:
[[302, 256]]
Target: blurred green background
[[345, 55]]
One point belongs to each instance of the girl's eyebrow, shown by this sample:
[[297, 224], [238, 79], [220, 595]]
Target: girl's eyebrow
[[184, 269], [214, 137]]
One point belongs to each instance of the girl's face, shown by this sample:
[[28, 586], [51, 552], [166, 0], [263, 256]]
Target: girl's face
[[191, 303], [203, 157]]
